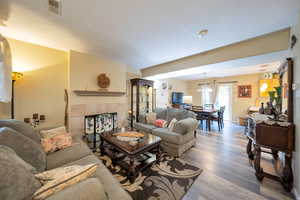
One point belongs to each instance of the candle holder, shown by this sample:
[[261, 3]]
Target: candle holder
[[35, 120]]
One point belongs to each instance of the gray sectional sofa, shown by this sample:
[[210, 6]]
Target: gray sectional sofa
[[183, 136], [90, 189]]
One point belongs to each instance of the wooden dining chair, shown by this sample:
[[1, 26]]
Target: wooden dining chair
[[209, 106], [197, 107], [218, 118], [199, 115]]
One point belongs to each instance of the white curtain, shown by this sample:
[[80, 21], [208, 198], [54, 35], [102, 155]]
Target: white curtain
[[205, 94], [209, 93], [214, 93], [5, 71]]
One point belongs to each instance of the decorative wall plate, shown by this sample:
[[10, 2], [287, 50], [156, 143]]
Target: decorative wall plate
[[103, 81]]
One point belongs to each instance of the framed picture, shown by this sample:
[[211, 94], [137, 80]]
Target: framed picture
[[244, 91]]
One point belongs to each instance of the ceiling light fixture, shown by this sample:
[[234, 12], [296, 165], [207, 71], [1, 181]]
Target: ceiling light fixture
[[264, 66], [203, 33]]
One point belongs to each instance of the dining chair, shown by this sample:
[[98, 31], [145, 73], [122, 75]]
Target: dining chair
[[197, 107], [199, 116], [209, 106], [218, 118]]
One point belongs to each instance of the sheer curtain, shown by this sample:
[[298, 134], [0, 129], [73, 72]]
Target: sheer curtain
[[215, 91], [5, 71], [209, 93]]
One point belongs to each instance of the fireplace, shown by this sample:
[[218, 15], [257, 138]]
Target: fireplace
[[104, 122], [97, 124]]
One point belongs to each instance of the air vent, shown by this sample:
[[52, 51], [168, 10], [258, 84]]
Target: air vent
[[55, 6]]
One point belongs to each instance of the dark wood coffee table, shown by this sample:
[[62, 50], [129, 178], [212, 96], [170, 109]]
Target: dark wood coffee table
[[145, 152]]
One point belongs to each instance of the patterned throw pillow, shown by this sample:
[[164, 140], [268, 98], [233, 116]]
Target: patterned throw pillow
[[58, 179], [150, 118], [161, 123], [55, 139], [172, 124]]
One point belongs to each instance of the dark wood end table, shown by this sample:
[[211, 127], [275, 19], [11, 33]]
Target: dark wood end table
[[147, 148]]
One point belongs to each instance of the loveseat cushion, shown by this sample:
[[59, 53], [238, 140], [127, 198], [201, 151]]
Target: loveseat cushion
[[144, 127], [172, 137], [174, 113], [23, 128], [17, 181], [111, 185], [185, 126], [25, 148], [161, 113], [90, 189], [77, 151]]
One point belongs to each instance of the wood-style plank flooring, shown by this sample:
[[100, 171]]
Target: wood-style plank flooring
[[227, 172]]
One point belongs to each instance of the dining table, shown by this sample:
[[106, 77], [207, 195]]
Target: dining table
[[205, 112]]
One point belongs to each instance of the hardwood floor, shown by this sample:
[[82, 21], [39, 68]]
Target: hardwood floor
[[227, 171]]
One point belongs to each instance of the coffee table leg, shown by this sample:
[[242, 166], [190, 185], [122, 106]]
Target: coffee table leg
[[158, 154], [102, 146], [132, 174]]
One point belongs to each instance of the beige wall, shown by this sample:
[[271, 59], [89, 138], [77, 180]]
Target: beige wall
[[163, 97], [295, 54], [42, 88], [269, 43], [239, 105], [84, 70]]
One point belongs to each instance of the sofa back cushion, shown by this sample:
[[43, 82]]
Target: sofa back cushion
[[161, 113], [17, 182], [150, 118], [25, 148], [174, 113], [23, 128], [170, 113]]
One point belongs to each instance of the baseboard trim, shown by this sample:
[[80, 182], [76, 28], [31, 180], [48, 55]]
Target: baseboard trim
[[297, 197]]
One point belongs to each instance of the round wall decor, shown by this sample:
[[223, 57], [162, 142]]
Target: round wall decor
[[103, 81]]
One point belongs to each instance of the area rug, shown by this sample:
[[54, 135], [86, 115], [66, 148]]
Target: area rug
[[169, 180]]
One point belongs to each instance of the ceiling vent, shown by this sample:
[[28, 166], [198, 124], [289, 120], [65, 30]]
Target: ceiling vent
[[54, 6]]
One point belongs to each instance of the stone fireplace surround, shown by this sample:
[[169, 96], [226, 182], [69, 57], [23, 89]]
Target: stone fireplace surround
[[79, 111]]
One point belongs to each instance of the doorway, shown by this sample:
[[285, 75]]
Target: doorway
[[224, 98]]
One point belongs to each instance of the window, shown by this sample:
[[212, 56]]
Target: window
[[206, 95], [5, 71]]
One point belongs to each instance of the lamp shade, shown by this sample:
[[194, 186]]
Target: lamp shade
[[16, 76]]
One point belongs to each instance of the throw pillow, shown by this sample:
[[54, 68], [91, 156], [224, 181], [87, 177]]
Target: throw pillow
[[55, 139], [150, 118], [22, 128], [56, 180], [172, 124], [161, 123], [25, 148], [17, 182]]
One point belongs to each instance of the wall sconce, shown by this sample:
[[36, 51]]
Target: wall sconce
[[15, 76]]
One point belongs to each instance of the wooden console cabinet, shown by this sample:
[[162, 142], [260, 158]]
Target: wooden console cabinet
[[276, 138]]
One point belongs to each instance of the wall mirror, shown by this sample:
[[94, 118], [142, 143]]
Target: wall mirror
[[286, 81]]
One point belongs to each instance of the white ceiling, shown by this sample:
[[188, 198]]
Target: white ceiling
[[143, 33], [251, 65]]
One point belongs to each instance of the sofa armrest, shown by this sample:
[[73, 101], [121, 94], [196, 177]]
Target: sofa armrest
[[185, 126], [91, 189]]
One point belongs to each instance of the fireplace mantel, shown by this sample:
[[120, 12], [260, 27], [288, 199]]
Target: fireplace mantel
[[98, 93]]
